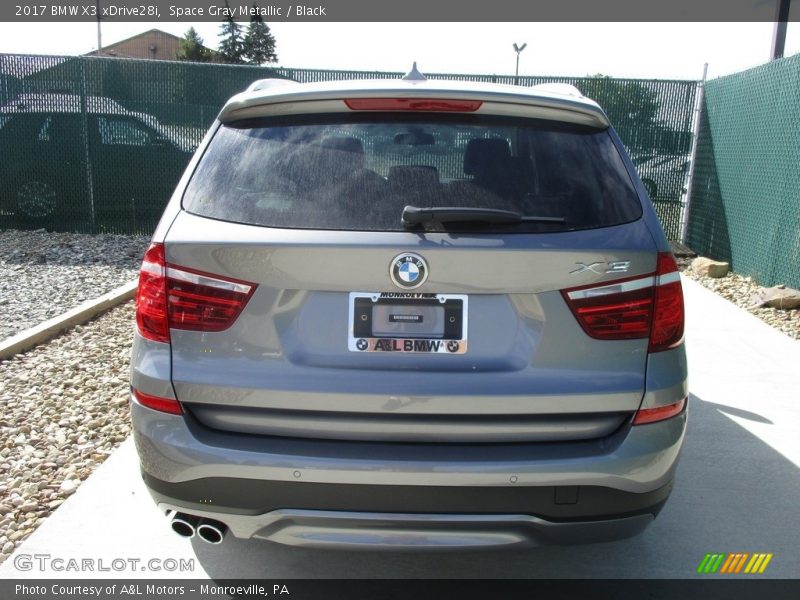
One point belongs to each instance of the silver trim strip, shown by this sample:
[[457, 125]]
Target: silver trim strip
[[625, 286], [669, 278], [614, 288], [153, 268], [207, 281]]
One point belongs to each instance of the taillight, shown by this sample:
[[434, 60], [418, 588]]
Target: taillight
[[668, 315], [202, 302], [151, 296], [167, 405], [420, 104], [659, 413], [171, 296], [649, 306]]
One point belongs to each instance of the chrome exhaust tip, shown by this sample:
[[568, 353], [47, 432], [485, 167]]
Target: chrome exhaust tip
[[184, 525], [211, 531]]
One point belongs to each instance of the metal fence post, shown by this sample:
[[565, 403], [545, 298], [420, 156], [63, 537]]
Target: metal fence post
[[695, 135], [87, 158]]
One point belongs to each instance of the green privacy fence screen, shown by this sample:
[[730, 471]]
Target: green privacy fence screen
[[745, 203], [97, 144]]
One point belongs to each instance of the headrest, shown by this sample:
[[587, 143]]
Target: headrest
[[343, 143], [483, 154]]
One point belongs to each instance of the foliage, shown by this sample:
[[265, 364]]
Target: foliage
[[259, 43], [231, 48], [192, 48], [624, 101]]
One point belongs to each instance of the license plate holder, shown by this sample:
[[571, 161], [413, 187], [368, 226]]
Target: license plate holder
[[407, 322]]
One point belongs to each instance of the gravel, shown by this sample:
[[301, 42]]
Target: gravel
[[739, 290], [63, 410], [43, 275]]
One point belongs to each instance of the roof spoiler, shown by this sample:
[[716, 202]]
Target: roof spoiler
[[270, 82], [565, 89]]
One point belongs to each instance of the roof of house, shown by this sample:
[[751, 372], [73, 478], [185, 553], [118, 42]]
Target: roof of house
[[112, 49]]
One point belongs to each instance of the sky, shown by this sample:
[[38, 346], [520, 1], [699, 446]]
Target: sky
[[637, 50]]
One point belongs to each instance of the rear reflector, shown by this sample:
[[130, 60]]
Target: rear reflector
[[167, 405], [421, 104], [176, 297], [659, 413], [649, 306]]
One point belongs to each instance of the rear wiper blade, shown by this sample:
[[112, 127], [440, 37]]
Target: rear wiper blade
[[413, 215]]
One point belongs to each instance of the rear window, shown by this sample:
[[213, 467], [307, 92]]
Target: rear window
[[358, 172]]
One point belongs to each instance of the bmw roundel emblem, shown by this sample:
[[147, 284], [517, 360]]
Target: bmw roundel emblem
[[408, 270]]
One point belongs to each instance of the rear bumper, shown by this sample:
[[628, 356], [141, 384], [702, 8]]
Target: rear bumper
[[414, 517], [399, 531], [353, 494]]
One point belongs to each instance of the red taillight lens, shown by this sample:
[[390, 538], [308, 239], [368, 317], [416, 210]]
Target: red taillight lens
[[614, 311], [151, 296], [167, 405], [659, 413], [642, 307], [617, 315], [421, 104], [669, 314], [202, 302], [175, 297]]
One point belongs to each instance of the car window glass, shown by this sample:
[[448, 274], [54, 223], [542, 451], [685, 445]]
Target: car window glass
[[358, 173], [122, 132]]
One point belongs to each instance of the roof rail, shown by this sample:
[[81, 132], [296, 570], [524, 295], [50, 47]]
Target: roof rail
[[270, 82], [565, 89]]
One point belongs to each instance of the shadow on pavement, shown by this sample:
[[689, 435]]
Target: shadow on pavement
[[733, 493]]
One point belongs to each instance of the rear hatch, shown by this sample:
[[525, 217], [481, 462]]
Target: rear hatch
[[516, 311]]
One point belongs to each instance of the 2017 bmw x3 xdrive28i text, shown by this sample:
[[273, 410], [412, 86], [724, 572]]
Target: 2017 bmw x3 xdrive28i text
[[409, 314]]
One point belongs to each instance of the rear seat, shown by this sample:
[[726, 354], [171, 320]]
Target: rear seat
[[492, 167]]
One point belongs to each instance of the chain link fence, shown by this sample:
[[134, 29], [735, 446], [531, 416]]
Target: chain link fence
[[97, 144], [745, 197]]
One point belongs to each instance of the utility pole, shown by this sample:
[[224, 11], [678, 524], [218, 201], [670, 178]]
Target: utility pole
[[518, 50], [97, 14], [779, 32]]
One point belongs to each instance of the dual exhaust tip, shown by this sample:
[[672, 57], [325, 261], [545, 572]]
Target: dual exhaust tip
[[208, 530]]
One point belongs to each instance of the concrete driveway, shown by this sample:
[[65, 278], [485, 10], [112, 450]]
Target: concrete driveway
[[737, 490]]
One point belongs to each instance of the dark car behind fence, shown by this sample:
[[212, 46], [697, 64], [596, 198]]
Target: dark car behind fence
[[97, 144]]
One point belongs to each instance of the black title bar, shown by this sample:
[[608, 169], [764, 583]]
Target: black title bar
[[383, 589], [398, 11]]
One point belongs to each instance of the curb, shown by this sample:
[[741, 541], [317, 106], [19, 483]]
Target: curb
[[25, 340]]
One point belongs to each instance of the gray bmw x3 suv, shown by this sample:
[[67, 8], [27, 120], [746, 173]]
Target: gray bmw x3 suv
[[409, 314]]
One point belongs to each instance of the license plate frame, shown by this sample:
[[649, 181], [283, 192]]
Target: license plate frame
[[446, 337]]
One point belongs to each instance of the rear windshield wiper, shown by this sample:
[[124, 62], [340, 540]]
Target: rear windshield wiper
[[413, 215]]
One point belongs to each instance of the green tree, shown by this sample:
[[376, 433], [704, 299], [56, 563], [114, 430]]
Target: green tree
[[192, 48], [259, 43], [624, 101], [231, 48], [633, 108]]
